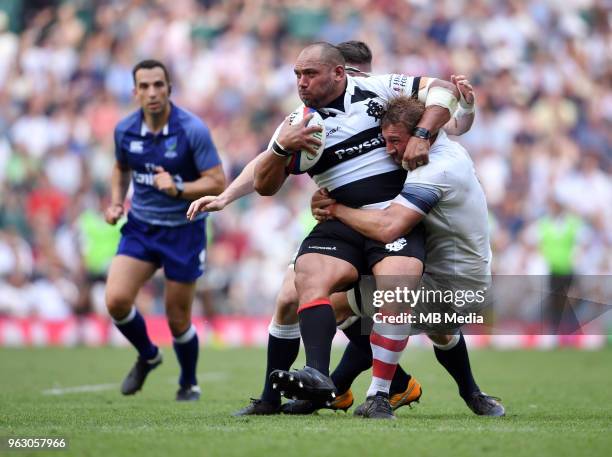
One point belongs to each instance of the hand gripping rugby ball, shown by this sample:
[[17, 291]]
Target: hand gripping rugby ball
[[302, 161]]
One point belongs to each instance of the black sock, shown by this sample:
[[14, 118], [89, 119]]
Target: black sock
[[353, 363], [457, 363], [134, 329], [281, 355], [400, 381], [357, 358], [186, 349], [318, 327]]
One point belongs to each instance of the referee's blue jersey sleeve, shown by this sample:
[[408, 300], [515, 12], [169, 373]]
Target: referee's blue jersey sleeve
[[204, 151]]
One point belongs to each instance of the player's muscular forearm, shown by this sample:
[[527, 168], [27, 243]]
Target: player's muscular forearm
[[381, 225], [270, 173], [371, 223], [241, 186], [459, 124], [244, 183], [463, 118], [120, 182]]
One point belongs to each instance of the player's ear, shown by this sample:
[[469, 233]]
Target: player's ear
[[169, 89], [339, 72]]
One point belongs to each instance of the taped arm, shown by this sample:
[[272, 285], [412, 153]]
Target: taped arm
[[441, 99]]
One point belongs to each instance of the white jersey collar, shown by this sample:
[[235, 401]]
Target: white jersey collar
[[144, 129]]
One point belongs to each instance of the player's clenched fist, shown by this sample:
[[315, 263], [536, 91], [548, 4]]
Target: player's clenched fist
[[113, 213], [165, 182], [416, 153]]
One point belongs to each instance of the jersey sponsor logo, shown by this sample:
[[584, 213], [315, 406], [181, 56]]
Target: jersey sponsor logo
[[361, 148], [365, 141], [136, 147], [332, 131], [397, 245], [146, 179], [398, 82]]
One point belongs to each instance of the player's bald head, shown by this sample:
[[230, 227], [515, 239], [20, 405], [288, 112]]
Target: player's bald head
[[325, 53]]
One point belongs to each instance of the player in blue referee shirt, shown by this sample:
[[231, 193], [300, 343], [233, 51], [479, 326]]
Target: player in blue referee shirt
[[169, 156]]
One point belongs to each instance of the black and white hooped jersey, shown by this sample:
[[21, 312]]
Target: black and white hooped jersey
[[355, 166]]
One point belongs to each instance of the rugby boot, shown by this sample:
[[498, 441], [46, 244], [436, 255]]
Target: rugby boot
[[376, 407], [305, 384], [485, 405], [412, 394], [138, 374], [341, 403], [188, 393], [259, 407]]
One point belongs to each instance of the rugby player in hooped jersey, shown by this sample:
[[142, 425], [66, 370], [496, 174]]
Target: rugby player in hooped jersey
[[284, 338], [171, 159], [284, 332], [446, 195], [358, 172]]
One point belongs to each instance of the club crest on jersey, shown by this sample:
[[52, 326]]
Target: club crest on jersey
[[375, 110], [136, 147], [170, 145], [397, 245]]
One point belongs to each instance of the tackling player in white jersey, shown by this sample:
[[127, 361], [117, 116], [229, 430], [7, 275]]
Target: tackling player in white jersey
[[447, 197]]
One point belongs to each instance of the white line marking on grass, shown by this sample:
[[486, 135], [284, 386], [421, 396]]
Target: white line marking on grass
[[213, 376], [79, 389]]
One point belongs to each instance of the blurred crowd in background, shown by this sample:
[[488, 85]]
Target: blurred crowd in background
[[541, 142]]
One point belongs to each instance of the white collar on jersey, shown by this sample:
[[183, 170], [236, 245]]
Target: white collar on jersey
[[350, 85], [144, 129]]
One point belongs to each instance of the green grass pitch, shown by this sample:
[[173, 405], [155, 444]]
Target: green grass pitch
[[558, 403]]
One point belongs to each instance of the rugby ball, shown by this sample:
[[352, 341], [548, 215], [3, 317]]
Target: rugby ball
[[302, 161]]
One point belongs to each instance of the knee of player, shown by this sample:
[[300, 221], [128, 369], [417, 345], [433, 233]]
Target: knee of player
[[287, 297], [117, 302], [287, 303], [178, 325]]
